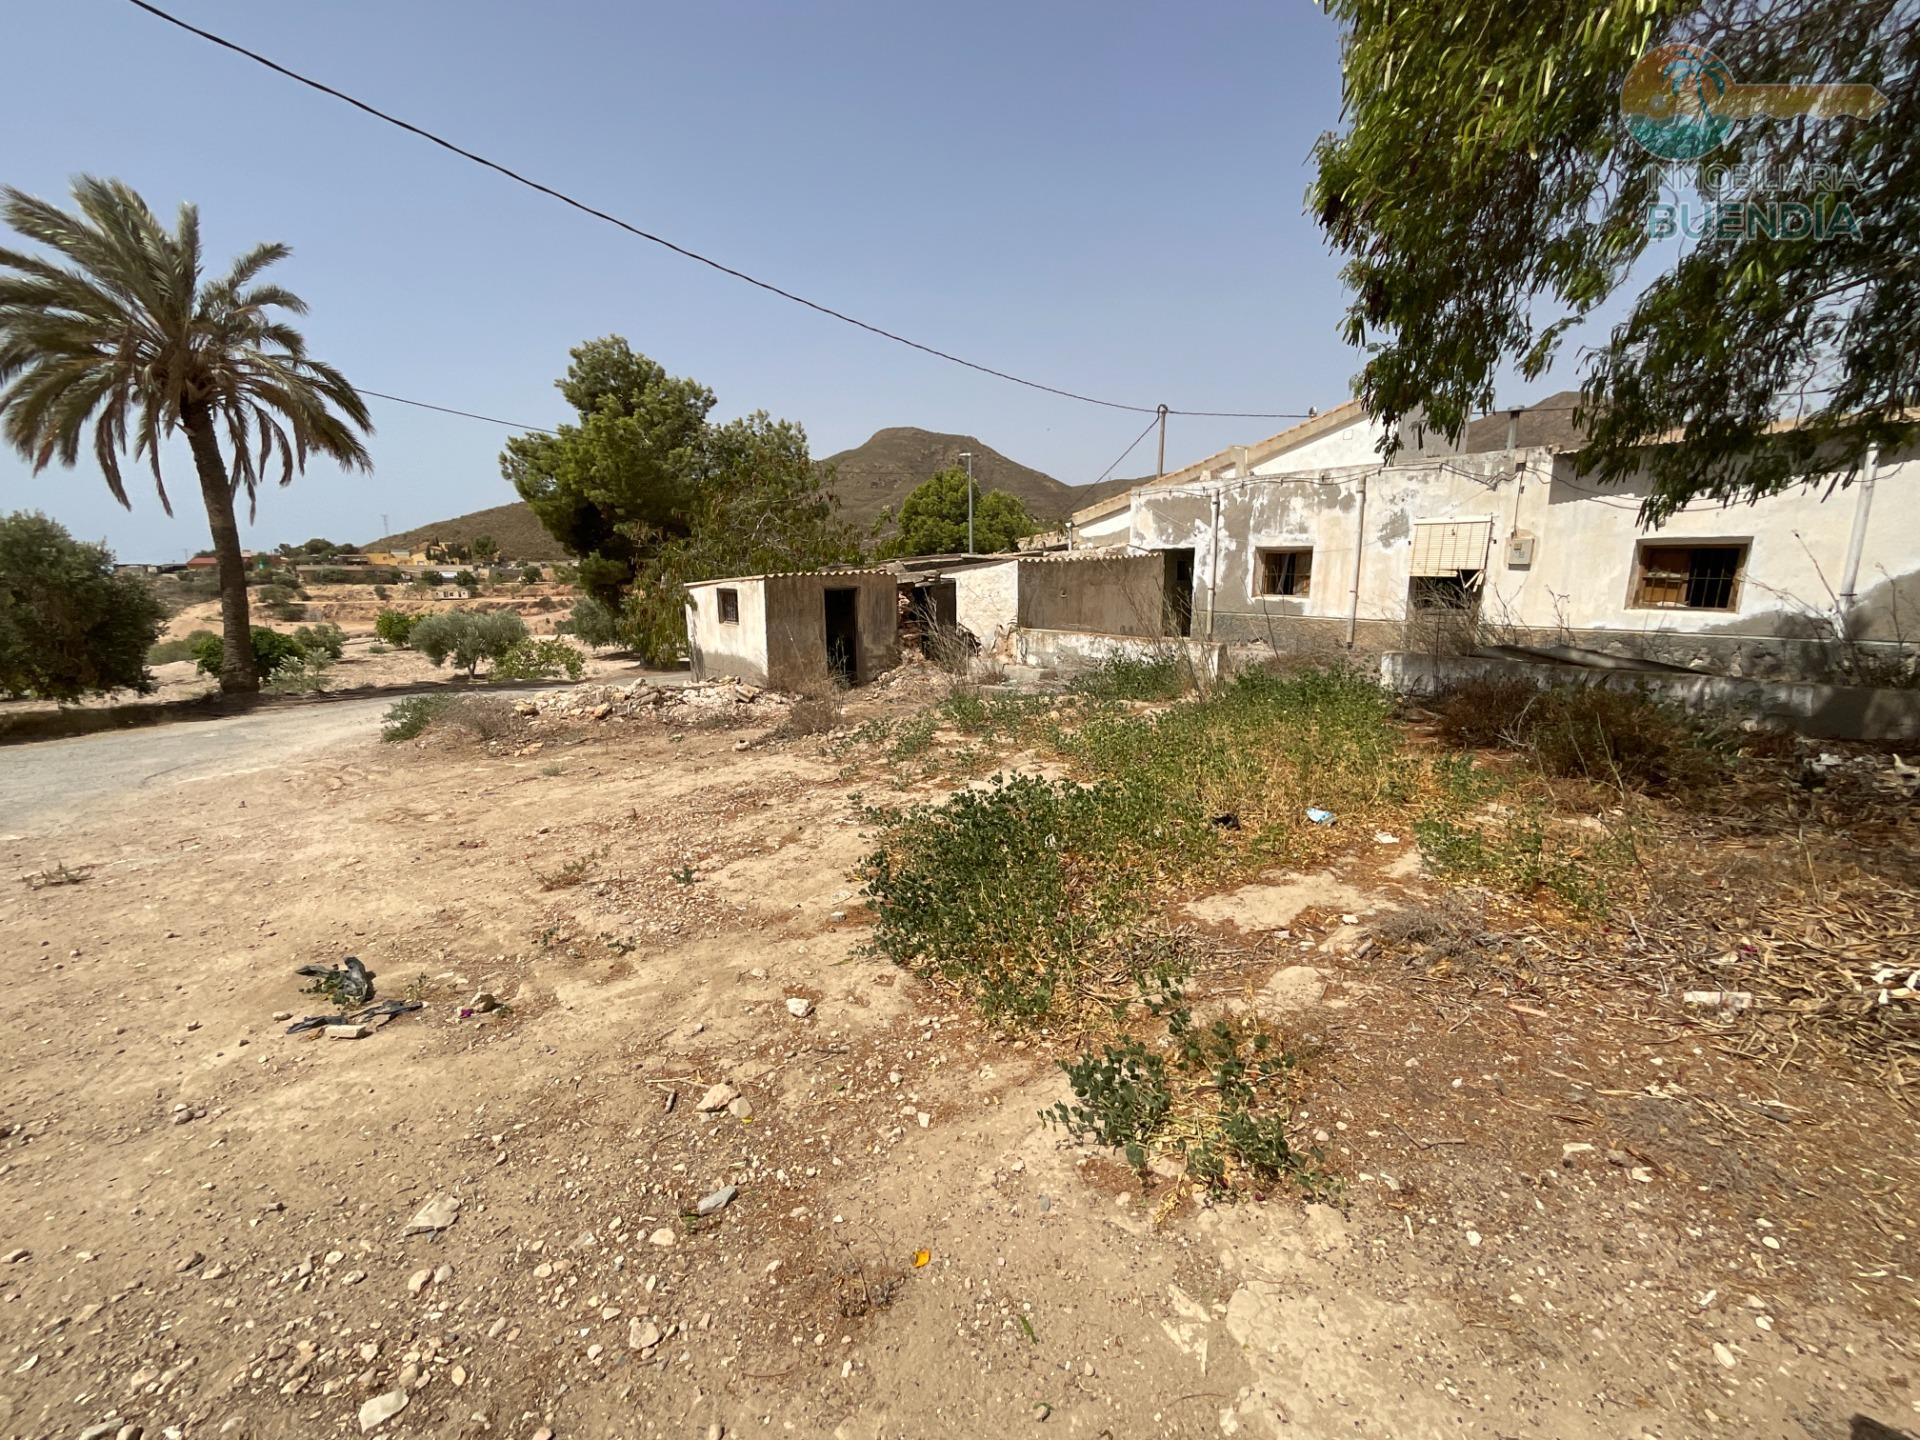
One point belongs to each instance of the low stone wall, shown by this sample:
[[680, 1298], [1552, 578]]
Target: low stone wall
[[1070, 652], [1837, 712]]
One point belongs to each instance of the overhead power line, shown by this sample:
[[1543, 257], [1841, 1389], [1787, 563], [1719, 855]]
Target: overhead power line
[[1128, 451], [662, 241], [449, 410]]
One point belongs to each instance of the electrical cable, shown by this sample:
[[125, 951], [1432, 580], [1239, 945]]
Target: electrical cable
[[681, 250], [1128, 451], [449, 410]]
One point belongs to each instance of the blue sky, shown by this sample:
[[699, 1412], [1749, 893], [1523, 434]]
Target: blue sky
[[1105, 197]]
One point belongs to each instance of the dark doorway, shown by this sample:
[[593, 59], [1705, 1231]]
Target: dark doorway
[[843, 635], [1179, 577]]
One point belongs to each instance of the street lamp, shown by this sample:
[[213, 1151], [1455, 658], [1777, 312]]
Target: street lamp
[[967, 455]]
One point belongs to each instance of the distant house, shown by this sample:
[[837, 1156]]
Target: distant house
[[211, 562]]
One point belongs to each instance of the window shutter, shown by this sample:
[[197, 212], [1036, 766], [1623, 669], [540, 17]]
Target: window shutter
[[1445, 547]]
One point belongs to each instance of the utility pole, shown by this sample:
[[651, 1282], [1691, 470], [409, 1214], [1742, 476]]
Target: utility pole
[[384, 530], [968, 457], [1162, 467]]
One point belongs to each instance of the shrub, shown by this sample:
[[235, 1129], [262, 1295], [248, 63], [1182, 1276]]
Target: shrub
[[532, 659], [281, 601], [486, 717], [529, 574], [1593, 732], [592, 623], [69, 626], [811, 715], [168, 652], [380, 592], [409, 717], [271, 650], [396, 626], [326, 639], [306, 675], [467, 637], [468, 582]]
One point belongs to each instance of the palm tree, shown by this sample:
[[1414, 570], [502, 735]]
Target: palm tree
[[126, 338]]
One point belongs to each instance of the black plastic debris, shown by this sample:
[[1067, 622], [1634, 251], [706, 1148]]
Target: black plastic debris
[[382, 1013], [1228, 821], [348, 983]]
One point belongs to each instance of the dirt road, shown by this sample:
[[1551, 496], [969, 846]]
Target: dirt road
[[211, 1227]]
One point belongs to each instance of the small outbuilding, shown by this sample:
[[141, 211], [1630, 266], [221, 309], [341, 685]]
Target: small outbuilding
[[793, 630]]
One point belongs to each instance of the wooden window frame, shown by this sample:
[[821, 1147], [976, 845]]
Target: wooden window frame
[[727, 599], [1675, 582], [1263, 553]]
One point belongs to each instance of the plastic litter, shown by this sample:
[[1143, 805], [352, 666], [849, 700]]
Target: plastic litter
[[1319, 816], [382, 1012]]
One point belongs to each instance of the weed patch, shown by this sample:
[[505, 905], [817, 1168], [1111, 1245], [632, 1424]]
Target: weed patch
[[1135, 677]]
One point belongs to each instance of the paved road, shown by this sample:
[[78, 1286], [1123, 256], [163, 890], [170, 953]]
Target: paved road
[[51, 776], [45, 778]]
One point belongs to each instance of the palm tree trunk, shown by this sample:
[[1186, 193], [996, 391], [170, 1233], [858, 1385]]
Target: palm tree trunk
[[238, 674]]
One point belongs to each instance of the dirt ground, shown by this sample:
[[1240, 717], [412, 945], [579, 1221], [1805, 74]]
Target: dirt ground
[[1593, 1217]]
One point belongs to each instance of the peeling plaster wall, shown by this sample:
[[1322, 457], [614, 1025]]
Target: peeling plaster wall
[[1578, 588], [1107, 530], [718, 649], [986, 601], [1107, 595], [1355, 444]]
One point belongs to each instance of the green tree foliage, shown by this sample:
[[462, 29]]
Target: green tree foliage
[[272, 652], [69, 626], [467, 637], [592, 623], [541, 659], [395, 626], [120, 342], [761, 505], [623, 478], [484, 549], [1488, 195], [933, 518]]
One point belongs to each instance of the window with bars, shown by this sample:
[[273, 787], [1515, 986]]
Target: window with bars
[[1286, 573], [729, 606], [1689, 577]]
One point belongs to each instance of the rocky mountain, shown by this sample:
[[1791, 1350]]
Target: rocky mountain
[[870, 480]]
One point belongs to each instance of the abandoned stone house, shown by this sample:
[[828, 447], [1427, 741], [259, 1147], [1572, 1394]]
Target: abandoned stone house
[[1307, 542], [797, 630]]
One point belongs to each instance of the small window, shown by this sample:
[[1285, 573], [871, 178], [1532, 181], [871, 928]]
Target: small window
[[1688, 577], [1286, 572], [729, 607]]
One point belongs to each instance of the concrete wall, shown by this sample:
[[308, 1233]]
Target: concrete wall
[[1578, 588], [736, 650], [1068, 652], [986, 601], [796, 626], [1112, 595], [1838, 712]]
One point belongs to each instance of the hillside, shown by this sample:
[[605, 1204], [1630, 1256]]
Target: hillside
[[513, 528], [878, 475], [869, 479]]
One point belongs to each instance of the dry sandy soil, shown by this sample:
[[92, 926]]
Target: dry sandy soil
[[1594, 1219]]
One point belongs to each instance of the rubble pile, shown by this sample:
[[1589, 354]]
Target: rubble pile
[[701, 702]]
